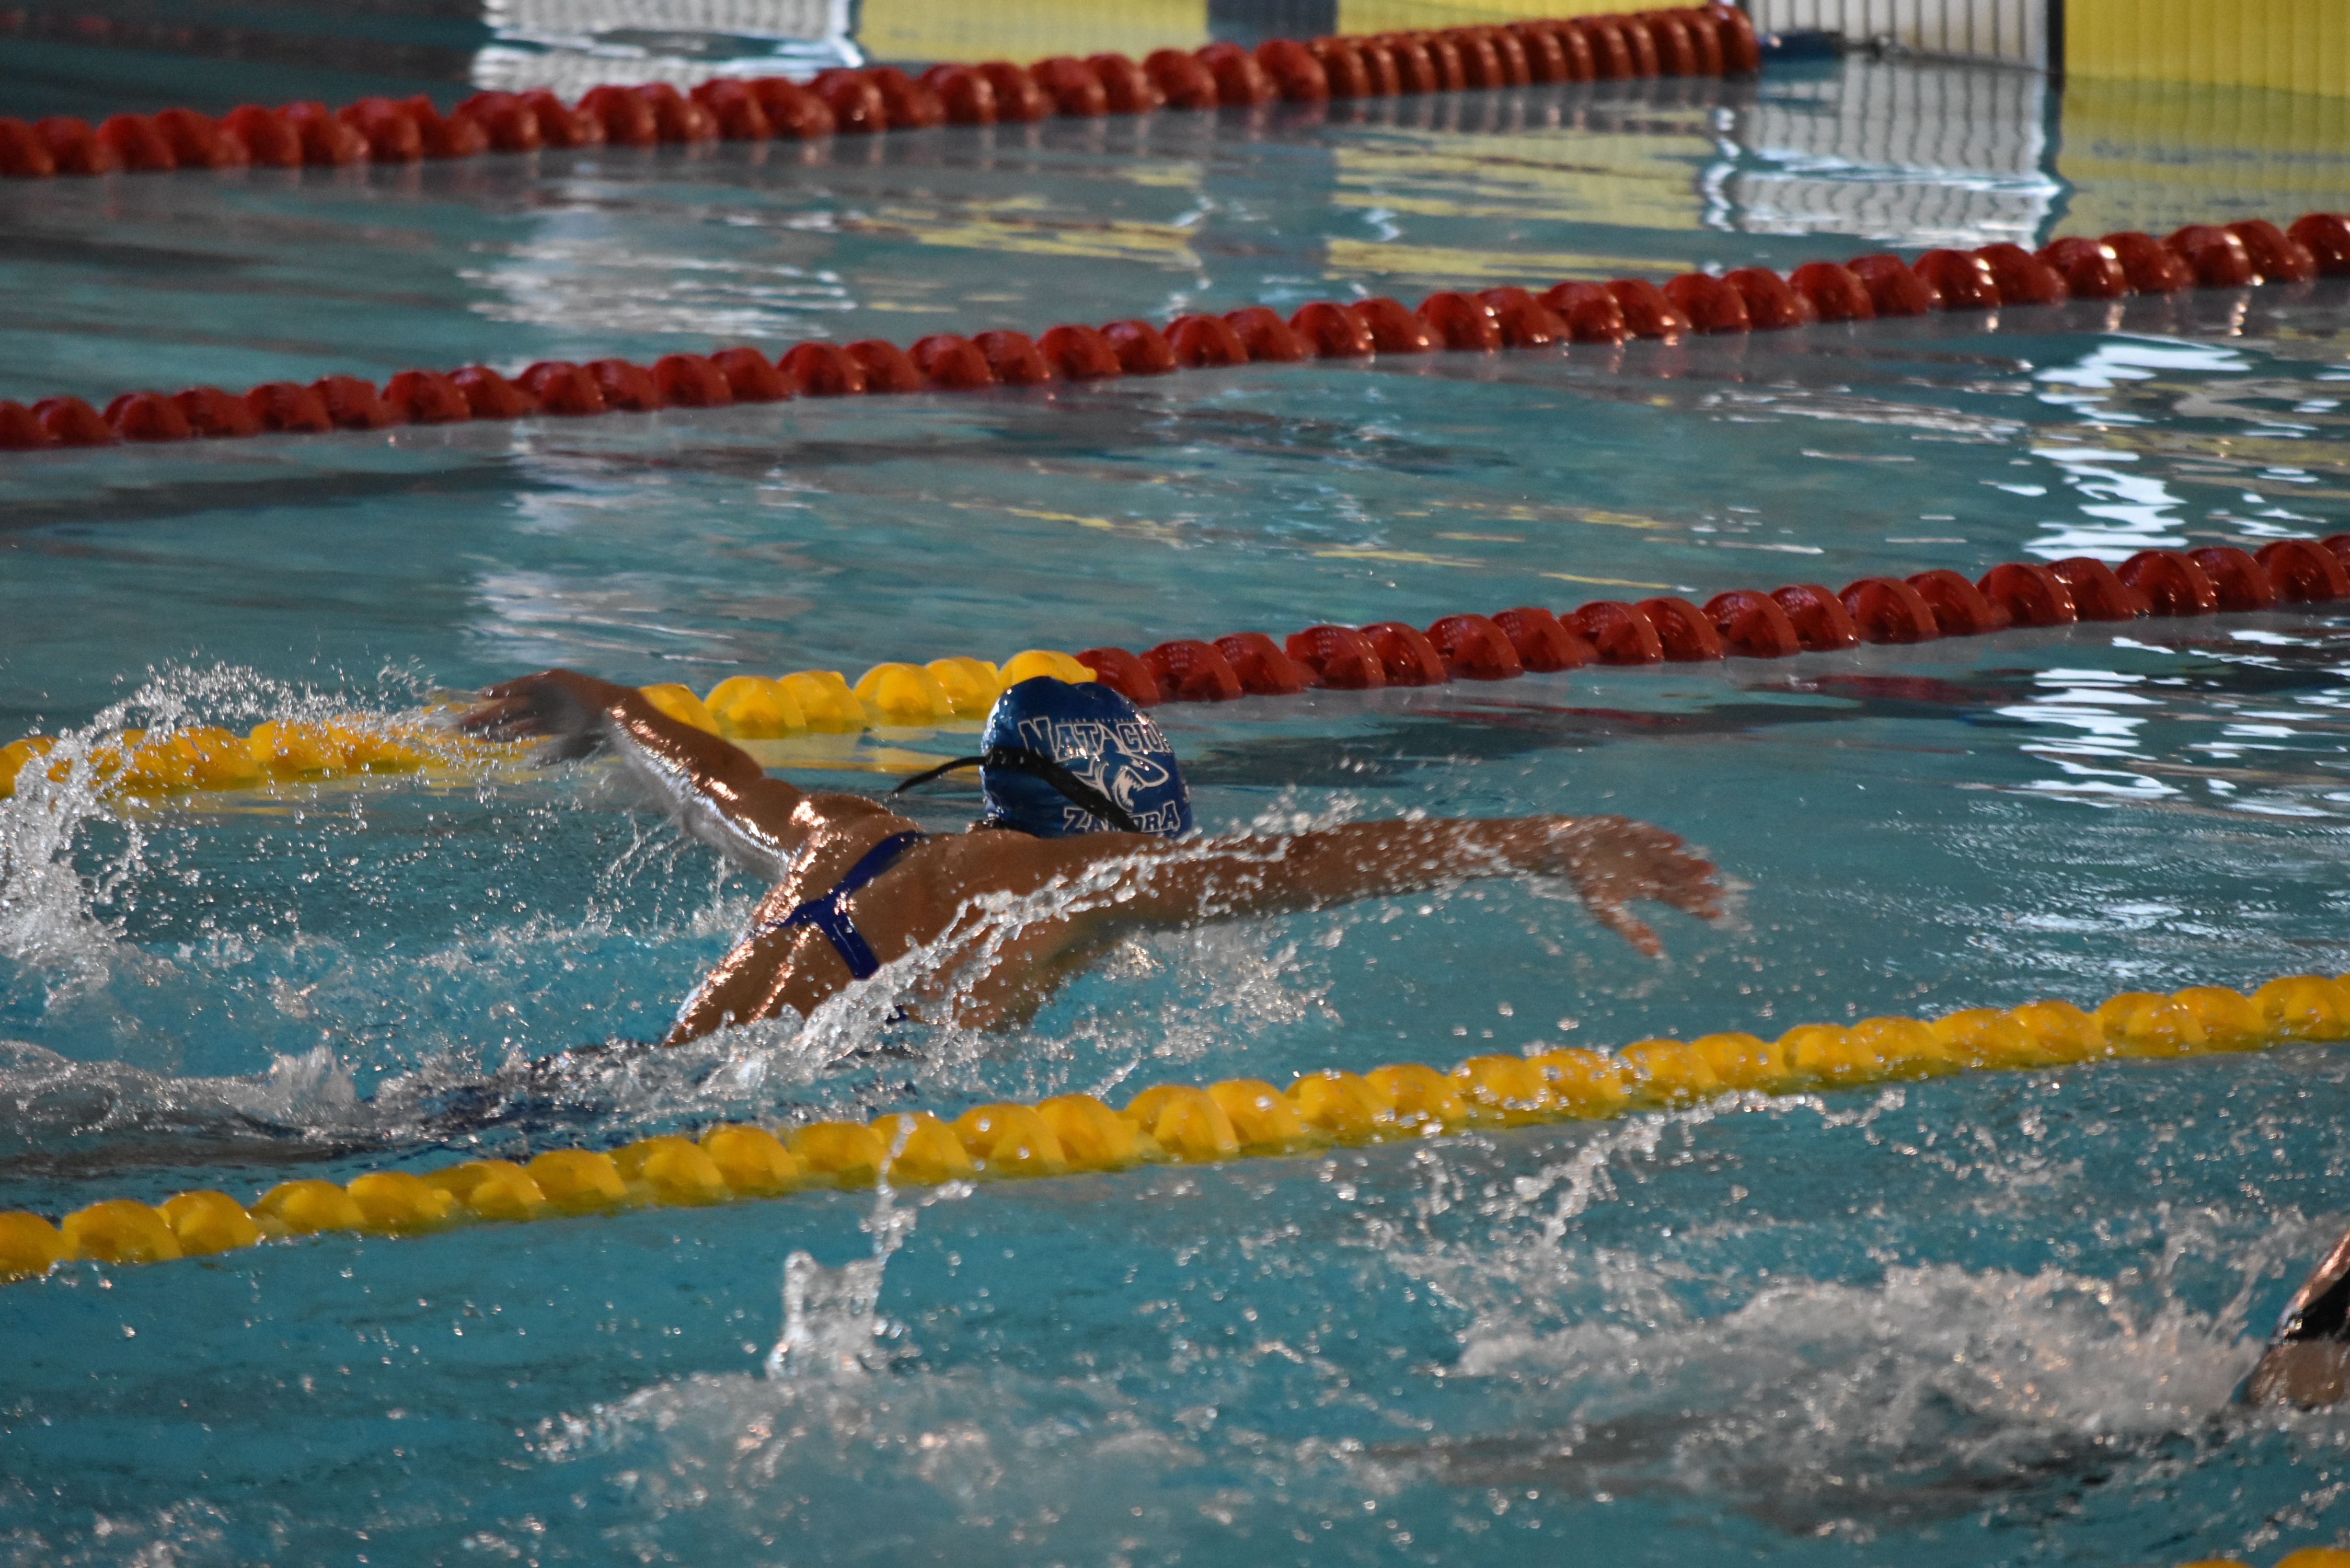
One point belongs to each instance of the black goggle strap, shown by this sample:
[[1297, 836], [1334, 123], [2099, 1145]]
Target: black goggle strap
[[1036, 764]]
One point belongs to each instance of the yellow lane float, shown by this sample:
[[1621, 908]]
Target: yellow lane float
[[201, 757], [2307, 1557], [754, 707], [740, 707], [1201, 1123]]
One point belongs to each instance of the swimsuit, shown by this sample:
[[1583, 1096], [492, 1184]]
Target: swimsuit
[[826, 914]]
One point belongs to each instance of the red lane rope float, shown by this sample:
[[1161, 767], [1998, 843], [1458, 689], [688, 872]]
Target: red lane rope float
[[1743, 623], [1748, 300], [1708, 40]]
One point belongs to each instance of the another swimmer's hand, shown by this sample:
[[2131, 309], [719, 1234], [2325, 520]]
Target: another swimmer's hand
[[1614, 860], [565, 706]]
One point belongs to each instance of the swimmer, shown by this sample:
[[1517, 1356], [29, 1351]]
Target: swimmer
[[1084, 797], [2307, 1362]]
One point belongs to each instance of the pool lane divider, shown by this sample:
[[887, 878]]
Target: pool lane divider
[[2241, 254], [1235, 1119], [1699, 40], [1744, 623]]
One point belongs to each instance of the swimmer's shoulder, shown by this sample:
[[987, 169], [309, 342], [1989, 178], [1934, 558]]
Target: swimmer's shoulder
[[1008, 857]]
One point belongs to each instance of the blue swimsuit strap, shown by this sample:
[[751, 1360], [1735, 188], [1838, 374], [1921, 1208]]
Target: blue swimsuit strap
[[826, 915]]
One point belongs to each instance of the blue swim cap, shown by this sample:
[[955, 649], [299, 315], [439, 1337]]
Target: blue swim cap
[[1095, 734]]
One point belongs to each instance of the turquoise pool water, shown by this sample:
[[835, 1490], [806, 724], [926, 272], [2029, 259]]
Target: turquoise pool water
[[1978, 1319]]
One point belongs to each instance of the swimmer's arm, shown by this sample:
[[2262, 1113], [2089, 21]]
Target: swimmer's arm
[[748, 983], [718, 790], [1612, 861]]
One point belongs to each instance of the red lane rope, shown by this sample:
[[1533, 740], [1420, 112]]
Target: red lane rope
[[1704, 40], [2247, 252], [1742, 623]]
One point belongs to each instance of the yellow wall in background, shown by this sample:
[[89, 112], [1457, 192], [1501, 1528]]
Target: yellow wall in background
[[1026, 30], [1395, 16], [2292, 45]]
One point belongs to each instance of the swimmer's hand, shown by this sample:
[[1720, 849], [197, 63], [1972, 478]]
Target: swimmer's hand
[[1614, 861], [567, 708]]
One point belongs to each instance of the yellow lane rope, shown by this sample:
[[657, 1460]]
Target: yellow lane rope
[[1233, 1119], [742, 708]]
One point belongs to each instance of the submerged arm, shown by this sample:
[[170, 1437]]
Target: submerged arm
[[718, 791], [1612, 861]]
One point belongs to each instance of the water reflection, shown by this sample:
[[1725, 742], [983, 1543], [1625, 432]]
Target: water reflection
[[2250, 720], [1910, 154], [571, 46], [2168, 416], [2128, 511], [2096, 719]]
